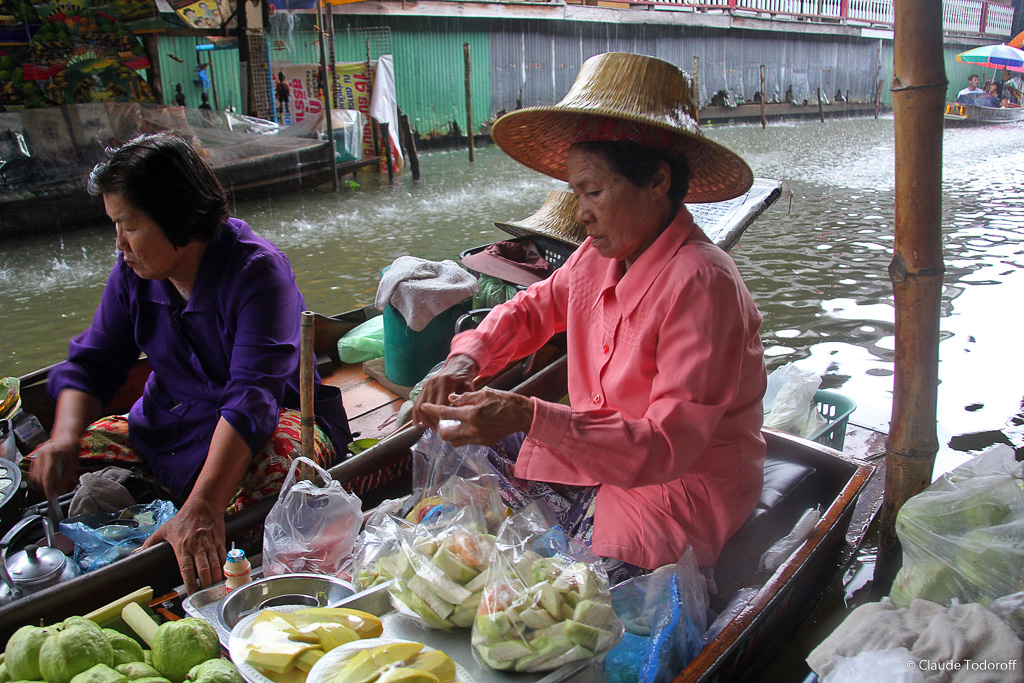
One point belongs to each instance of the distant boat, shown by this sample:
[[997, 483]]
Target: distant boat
[[46, 155], [974, 115]]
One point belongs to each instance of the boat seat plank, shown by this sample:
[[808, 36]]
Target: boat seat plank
[[375, 424], [789, 489]]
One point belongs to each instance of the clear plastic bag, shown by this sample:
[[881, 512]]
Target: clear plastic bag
[[440, 568], [665, 617], [363, 342], [546, 603], [105, 537], [963, 537], [789, 401], [311, 528], [378, 540], [454, 477]]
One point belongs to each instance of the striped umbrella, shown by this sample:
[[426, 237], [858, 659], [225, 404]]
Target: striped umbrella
[[994, 57]]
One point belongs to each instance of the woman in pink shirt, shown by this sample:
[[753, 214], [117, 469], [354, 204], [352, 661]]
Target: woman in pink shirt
[[666, 369]]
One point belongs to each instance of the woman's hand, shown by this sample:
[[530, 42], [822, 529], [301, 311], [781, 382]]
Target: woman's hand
[[54, 468], [484, 417], [455, 377], [196, 534]]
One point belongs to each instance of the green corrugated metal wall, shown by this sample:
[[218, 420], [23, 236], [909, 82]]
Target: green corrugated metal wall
[[422, 46], [172, 72]]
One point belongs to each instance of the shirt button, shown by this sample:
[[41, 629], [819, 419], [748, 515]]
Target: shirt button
[[596, 398], [606, 349]]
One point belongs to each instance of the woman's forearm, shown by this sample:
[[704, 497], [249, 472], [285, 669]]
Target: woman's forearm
[[76, 410], [226, 463]]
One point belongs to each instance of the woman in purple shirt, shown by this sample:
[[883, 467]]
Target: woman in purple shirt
[[216, 310]]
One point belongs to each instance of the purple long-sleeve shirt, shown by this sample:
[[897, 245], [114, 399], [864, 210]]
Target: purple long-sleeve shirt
[[232, 351]]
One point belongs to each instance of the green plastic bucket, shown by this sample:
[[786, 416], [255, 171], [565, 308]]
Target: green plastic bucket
[[409, 355]]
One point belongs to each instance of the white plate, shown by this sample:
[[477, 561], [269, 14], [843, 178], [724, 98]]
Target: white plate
[[241, 636], [329, 666]]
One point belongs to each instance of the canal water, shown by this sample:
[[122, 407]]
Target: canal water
[[815, 262]]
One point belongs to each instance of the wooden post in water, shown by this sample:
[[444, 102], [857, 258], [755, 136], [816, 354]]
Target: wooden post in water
[[919, 92], [764, 96], [385, 139], [410, 145], [469, 105], [696, 85], [307, 361], [327, 93], [821, 112], [878, 98]]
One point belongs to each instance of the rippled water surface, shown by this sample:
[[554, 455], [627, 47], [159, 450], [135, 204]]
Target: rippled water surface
[[816, 262]]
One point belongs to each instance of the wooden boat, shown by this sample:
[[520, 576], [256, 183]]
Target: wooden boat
[[817, 476], [972, 115], [46, 155]]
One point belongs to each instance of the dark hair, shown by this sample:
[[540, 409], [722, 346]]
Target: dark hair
[[638, 164], [164, 178]]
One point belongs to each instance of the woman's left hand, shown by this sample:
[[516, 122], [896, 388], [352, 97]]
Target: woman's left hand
[[484, 417], [196, 533]]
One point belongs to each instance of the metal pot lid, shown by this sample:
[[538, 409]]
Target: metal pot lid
[[36, 564]]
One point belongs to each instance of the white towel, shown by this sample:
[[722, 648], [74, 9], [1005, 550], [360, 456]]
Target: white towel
[[985, 647], [420, 289]]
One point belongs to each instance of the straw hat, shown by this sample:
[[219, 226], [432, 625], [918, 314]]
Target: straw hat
[[618, 95], [556, 218]]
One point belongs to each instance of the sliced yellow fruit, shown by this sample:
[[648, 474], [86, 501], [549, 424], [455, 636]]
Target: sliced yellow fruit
[[368, 664], [365, 624], [307, 659], [333, 635], [405, 674], [437, 663], [275, 656]]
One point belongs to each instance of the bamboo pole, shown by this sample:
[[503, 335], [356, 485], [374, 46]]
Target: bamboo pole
[[325, 83], [764, 96], [919, 92], [469, 105], [696, 84], [307, 362]]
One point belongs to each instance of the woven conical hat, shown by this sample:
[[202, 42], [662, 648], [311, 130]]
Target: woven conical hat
[[624, 87], [556, 218]]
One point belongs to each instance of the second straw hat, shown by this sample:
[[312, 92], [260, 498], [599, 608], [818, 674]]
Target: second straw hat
[[632, 88], [556, 218]]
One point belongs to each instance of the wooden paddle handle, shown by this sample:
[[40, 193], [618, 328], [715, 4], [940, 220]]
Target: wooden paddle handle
[[307, 363]]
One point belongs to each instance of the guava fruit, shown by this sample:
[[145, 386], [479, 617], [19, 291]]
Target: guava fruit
[[101, 673], [180, 645], [214, 671], [125, 649], [22, 654], [77, 647]]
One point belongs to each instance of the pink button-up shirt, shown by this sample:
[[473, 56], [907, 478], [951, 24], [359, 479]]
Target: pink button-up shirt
[[666, 375]]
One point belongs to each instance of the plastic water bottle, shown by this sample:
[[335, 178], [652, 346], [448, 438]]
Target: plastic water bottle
[[236, 570]]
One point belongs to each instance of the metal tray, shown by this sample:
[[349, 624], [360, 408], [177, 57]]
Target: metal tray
[[457, 646]]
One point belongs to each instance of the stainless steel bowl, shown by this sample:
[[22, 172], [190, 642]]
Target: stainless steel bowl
[[309, 590]]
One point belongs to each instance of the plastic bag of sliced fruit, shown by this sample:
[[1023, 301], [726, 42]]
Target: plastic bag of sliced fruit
[[546, 601]]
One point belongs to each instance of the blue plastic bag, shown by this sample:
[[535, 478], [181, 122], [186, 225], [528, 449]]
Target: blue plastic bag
[[665, 616], [102, 538]]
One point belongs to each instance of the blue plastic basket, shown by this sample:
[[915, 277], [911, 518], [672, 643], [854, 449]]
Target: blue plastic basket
[[837, 410]]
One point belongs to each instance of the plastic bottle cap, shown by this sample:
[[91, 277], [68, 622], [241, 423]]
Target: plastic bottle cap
[[236, 555]]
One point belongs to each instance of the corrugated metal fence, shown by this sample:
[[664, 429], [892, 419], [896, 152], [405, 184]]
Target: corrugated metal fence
[[521, 63]]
